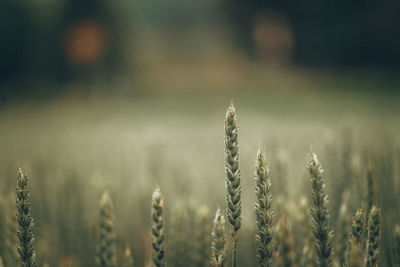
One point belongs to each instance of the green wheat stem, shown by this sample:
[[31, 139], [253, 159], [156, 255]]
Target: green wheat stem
[[26, 251], [322, 231], [263, 212], [232, 175]]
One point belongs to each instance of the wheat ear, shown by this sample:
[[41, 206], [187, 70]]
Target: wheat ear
[[232, 174], [263, 212], [107, 246], [26, 251], [373, 238], [218, 251], [323, 233], [158, 229]]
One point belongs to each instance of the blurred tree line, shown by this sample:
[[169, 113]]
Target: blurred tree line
[[61, 40], [68, 39], [333, 33]]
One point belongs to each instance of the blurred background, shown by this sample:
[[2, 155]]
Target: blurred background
[[142, 46], [124, 95]]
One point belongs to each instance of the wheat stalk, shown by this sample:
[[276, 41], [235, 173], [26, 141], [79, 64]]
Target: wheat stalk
[[285, 252], [157, 229], [354, 246], [232, 174], [374, 235], [264, 215], [107, 247], [320, 216], [26, 251], [218, 251]]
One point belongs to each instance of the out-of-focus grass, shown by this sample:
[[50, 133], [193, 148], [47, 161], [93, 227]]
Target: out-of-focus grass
[[170, 132]]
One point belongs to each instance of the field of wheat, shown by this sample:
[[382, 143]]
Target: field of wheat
[[298, 180]]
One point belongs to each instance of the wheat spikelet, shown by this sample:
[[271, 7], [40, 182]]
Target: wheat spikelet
[[358, 225], [127, 259], [320, 216], [157, 229], [354, 255], [26, 251], [232, 174], [374, 235], [264, 215], [285, 253], [218, 251], [107, 247]]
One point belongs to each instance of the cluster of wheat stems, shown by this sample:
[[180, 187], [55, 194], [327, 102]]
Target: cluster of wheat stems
[[274, 242]]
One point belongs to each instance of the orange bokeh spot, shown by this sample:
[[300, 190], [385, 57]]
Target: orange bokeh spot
[[85, 42]]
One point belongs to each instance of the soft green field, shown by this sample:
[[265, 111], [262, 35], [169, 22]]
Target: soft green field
[[73, 146]]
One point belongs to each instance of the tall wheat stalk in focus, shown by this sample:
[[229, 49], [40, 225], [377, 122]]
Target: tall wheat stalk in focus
[[26, 251], [322, 231], [264, 215], [232, 175]]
